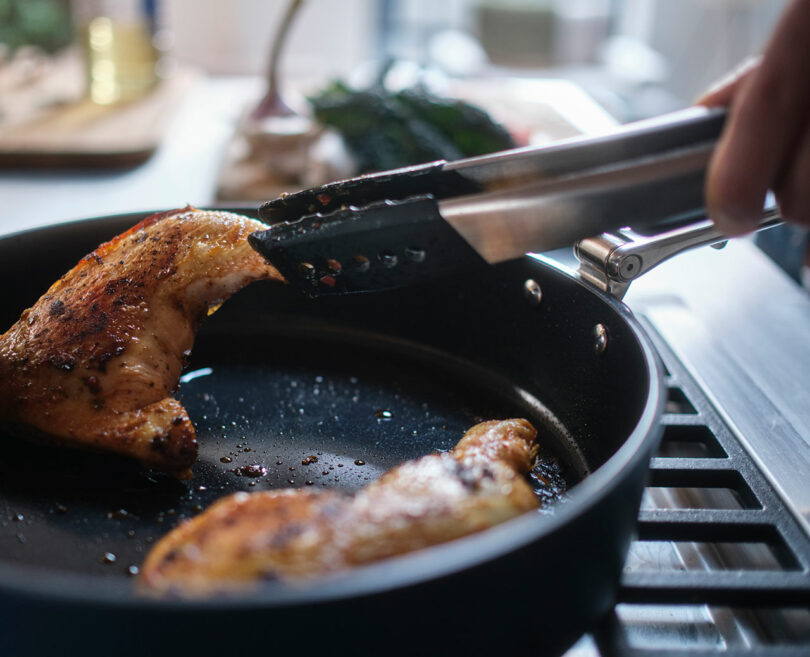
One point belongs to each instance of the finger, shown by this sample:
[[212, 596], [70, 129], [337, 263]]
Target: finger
[[723, 92], [766, 120], [792, 191]]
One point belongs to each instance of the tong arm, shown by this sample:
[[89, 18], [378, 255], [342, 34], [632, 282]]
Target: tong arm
[[440, 218]]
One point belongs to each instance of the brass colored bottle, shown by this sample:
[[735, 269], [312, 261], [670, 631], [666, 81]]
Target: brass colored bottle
[[120, 56]]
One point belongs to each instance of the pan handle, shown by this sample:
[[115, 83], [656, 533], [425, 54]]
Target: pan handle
[[612, 261]]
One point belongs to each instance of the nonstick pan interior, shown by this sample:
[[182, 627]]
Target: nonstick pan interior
[[272, 409]]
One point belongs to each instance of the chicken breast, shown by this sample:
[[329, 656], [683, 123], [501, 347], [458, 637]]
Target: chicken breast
[[293, 534], [94, 362]]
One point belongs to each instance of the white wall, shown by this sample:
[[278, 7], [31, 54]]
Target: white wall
[[701, 39], [329, 37]]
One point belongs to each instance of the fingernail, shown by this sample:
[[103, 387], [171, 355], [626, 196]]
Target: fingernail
[[721, 221], [734, 225], [707, 97]]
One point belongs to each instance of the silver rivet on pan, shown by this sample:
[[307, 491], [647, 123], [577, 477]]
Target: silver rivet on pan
[[532, 291], [600, 339], [720, 245]]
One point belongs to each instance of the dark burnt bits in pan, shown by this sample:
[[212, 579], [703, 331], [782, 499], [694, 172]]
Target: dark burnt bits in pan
[[254, 471]]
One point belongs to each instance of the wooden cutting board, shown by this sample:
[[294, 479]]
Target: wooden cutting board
[[45, 120]]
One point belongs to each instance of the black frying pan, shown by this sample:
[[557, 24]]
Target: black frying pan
[[362, 383]]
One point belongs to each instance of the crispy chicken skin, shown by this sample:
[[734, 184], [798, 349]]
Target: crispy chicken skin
[[292, 534], [94, 362]]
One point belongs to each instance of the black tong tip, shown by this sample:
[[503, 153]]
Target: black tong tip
[[383, 245]]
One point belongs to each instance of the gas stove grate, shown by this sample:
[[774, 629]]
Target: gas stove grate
[[720, 565]]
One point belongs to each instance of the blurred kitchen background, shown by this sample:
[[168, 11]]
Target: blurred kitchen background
[[638, 57], [122, 105]]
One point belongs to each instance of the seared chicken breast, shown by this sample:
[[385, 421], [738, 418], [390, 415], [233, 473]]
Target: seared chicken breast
[[293, 534], [94, 362]]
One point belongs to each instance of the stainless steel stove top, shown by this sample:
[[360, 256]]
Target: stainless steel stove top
[[742, 330], [722, 563]]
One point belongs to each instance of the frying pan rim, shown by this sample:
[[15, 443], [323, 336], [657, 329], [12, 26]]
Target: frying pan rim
[[32, 583]]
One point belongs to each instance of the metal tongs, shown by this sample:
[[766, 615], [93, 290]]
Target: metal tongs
[[409, 225]]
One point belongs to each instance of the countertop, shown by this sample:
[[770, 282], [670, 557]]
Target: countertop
[[183, 170]]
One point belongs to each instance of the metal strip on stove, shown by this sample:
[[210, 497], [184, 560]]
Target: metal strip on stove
[[720, 563], [742, 329]]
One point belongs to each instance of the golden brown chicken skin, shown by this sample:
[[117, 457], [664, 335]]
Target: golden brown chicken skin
[[292, 534], [94, 362]]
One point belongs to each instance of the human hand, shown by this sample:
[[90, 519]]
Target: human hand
[[766, 141]]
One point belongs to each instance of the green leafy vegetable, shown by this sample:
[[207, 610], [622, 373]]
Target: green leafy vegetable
[[43, 23], [388, 130]]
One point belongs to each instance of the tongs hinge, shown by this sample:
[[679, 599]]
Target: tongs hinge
[[612, 261]]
